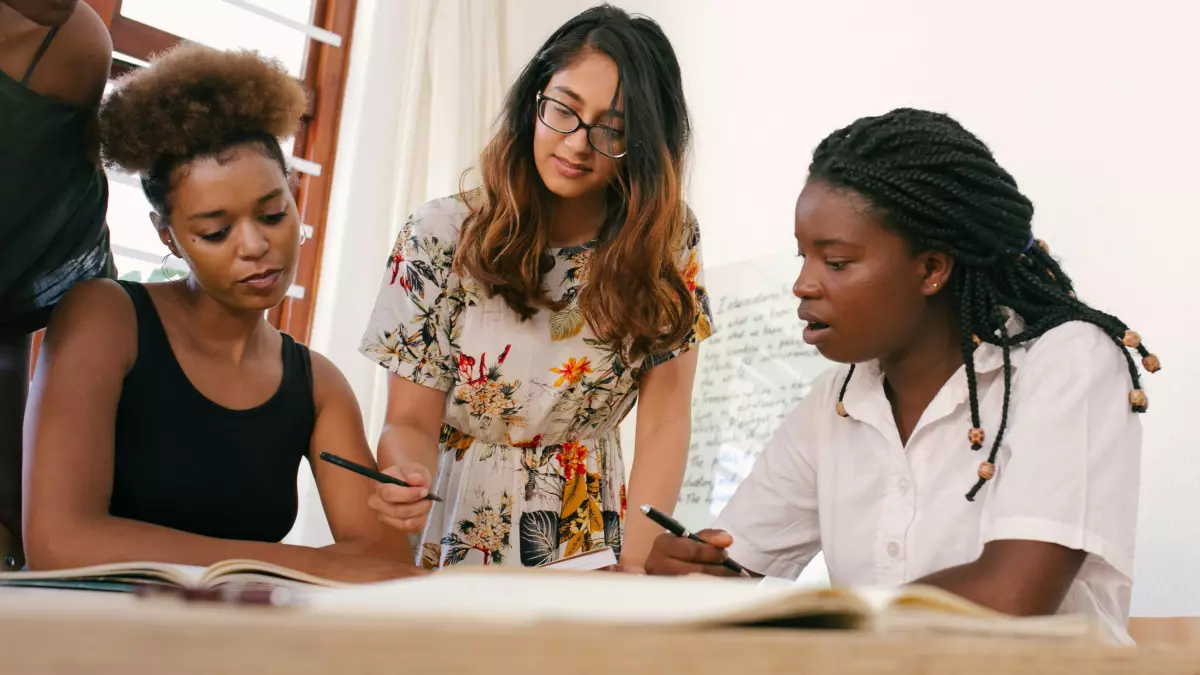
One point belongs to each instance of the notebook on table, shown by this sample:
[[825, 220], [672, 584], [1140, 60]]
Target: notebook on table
[[565, 593], [130, 576], [509, 597]]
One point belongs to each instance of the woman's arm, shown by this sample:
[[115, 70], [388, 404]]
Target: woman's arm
[[1067, 488], [89, 347], [664, 423], [411, 424], [408, 447], [413, 333], [344, 494], [1018, 577]]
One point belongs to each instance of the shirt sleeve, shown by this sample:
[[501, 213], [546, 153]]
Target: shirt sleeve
[[772, 516], [691, 266], [1069, 473], [413, 329]]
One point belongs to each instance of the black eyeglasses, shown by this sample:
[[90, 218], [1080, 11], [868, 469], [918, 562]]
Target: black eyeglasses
[[558, 116]]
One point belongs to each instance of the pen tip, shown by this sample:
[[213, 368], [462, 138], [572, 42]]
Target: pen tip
[[646, 508]]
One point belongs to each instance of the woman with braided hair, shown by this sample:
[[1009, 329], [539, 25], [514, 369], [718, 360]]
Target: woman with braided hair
[[973, 370]]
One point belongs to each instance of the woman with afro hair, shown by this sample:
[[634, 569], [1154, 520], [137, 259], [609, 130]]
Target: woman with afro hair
[[167, 421]]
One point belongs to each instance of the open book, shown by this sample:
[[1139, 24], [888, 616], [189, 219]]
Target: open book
[[524, 597], [128, 576]]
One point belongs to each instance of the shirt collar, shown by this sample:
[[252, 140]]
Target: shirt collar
[[866, 387]]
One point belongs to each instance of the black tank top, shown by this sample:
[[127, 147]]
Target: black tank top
[[185, 462], [53, 198]]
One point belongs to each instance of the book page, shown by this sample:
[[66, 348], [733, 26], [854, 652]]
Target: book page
[[522, 596], [179, 575], [926, 609], [238, 571], [592, 560]]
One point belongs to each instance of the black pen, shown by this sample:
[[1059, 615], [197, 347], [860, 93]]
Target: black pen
[[370, 473], [674, 527]]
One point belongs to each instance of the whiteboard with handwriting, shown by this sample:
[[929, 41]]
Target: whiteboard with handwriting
[[752, 372]]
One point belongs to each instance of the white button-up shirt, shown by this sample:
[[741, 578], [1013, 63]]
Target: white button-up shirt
[[885, 513]]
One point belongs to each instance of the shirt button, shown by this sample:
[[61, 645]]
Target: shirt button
[[893, 549]]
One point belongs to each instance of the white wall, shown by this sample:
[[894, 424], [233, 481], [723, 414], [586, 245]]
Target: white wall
[[1092, 105], [366, 177], [423, 88]]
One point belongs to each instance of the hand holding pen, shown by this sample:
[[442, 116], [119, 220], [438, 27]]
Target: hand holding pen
[[402, 498], [682, 552]]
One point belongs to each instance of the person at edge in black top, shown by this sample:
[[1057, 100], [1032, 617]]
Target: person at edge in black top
[[55, 57], [167, 421]]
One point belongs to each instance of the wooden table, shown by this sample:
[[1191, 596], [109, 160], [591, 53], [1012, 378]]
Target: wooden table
[[77, 632]]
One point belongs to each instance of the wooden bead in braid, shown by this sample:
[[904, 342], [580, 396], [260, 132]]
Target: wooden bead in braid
[[1149, 361], [841, 407], [1138, 402], [968, 350], [969, 346], [988, 469]]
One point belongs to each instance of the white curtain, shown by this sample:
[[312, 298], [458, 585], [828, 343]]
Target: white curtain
[[424, 88]]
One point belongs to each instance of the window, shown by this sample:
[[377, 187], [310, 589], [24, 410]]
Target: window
[[312, 39]]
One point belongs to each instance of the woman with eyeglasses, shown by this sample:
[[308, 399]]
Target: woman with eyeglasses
[[521, 320]]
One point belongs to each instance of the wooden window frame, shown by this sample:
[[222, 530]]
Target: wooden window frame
[[324, 78]]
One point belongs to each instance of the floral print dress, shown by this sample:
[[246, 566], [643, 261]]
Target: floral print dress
[[530, 457]]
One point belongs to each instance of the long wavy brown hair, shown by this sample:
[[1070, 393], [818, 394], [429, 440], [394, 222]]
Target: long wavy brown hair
[[634, 298]]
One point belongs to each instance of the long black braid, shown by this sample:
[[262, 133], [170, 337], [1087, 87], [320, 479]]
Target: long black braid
[[937, 183]]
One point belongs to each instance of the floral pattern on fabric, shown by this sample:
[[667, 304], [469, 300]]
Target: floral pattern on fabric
[[531, 468]]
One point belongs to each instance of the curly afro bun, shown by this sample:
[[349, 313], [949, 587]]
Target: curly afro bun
[[194, 101]]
